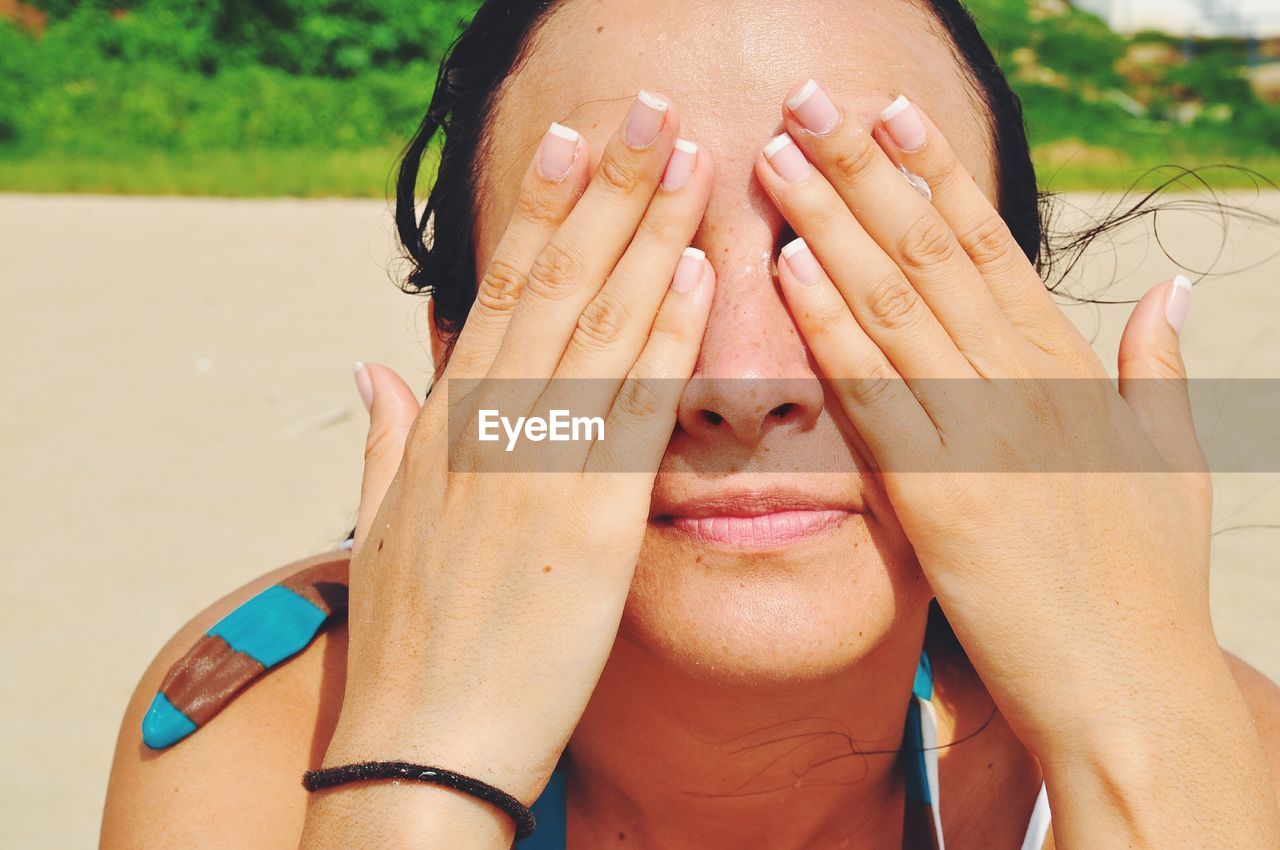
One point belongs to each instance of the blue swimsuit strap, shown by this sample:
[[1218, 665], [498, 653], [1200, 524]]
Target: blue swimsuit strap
[[281, 621], [551, 813]]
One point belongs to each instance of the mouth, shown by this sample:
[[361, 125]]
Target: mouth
[[751, 520]]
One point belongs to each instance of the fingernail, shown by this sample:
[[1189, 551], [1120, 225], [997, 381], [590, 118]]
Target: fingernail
[[802, 262], [680, 165], [559, 150], [814, 109], [1179, 303], [787, 159], [644, 119], [364, 386], [904, 124], [689, 270]]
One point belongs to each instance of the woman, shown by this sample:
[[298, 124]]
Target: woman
[[710, 632]]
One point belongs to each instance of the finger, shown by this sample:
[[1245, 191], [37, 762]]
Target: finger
[[573, 265], [905, 225], [643, 416], [552, 182], [912, 141], [878, 293], [1153, 377], [392, 409], [879, 404], [615, 326]]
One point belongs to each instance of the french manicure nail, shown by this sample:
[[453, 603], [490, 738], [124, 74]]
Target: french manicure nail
[[364, 385], [680, 165], [689, 270], [902, 120], [644, 119], [787, 159], [1179, 303], [814, 109], [802, 262], [559, 150]]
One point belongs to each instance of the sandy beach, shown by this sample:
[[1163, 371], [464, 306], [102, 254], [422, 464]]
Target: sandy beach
[[180, 418]]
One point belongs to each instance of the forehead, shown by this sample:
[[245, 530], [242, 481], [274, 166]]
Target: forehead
[[727, 65]]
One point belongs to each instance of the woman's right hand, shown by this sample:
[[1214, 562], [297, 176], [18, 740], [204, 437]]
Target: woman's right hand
[[484, 601]]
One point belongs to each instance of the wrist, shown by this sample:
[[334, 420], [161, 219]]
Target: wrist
[[409, 815], [1124, 691], [1167, 761], [490, 752]]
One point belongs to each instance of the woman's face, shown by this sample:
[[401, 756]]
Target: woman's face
[[807, 601]]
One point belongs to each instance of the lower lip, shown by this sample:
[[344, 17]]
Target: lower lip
[[766, 531]]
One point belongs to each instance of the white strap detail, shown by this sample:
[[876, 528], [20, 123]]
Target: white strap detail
[[1038, 828], [929, 740]]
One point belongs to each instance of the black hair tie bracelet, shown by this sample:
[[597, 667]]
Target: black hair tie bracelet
[[331, 777]]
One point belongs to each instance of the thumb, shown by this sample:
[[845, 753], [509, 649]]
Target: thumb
[[392, 409], [1153, 377]]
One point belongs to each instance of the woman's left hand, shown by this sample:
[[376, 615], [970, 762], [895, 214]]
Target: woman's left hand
[[1075, 576]]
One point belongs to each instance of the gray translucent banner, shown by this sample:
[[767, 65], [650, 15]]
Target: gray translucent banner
[[801, 425]]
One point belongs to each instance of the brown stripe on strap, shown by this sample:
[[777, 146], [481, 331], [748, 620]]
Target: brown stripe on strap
[[210, 675], [324, 585], [206, 678]]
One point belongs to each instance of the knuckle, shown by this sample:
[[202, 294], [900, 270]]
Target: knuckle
[[620, 175], [892, 303], [827, 218], [670, 330], [927, 243], [602, 322], [554, 272], [873, 386], [539, 208], [639, 398], [947, 175], [855, 161], [659, 227], [990, 244], [500, 287], [380, 442], [828, 320], [1166, 362]]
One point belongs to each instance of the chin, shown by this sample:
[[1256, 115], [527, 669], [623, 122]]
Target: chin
[[772, 609]]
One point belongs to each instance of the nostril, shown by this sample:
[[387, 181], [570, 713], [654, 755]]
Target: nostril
[[711, 418], [782, 411]]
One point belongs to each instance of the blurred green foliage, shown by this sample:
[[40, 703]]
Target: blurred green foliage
[[187, 75], [129, 95], [1098, 102]]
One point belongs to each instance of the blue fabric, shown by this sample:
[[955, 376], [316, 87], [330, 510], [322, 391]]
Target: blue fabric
[[549, 812], [270, 627], [163, 726], [923, 687]]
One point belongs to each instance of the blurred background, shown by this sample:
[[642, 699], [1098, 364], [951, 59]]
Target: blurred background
[[313, 97], [195, 244]]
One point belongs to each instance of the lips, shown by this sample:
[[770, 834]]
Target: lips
[[751, 519]]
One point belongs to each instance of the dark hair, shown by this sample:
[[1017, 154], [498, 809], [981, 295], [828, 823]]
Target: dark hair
[[439, 240]]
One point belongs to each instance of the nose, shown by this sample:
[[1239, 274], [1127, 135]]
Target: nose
[[754, 376]]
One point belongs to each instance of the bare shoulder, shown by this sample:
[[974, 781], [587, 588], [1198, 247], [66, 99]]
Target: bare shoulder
[[1263, 698], [241, 773]]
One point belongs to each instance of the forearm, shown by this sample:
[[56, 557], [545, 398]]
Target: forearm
[[1167, 771]]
